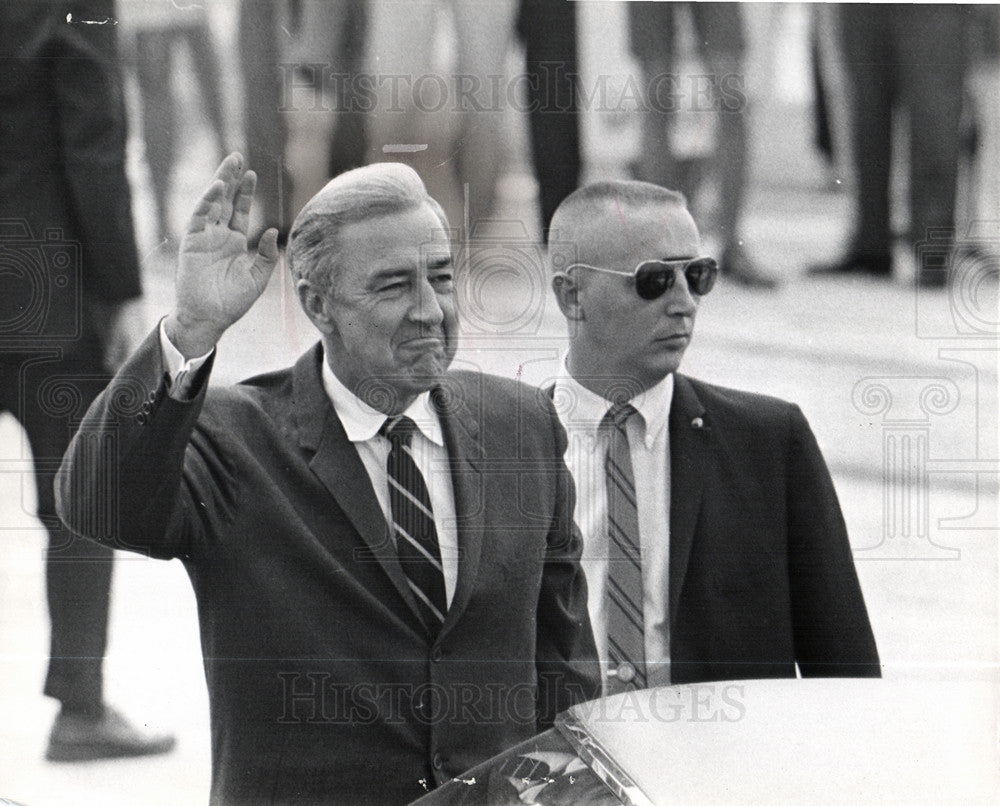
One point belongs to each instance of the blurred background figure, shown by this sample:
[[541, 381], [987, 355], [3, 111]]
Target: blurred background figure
[[329, 53], [263, 26], [548, 29], [984, 94], [153, 31], [440, 95], [68, 275], [908, 59], [831, 131], [720, 45]]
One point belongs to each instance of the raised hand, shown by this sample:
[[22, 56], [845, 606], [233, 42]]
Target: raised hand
[[218, 280]]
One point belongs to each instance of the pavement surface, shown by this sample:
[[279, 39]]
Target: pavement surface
[[900, 388]]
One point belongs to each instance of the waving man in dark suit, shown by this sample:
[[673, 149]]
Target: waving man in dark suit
[[714, 545], [382, 551]]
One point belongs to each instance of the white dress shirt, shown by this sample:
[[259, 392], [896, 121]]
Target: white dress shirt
[[581, 412], [362, 423]]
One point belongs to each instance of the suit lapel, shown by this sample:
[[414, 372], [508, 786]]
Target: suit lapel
[[336, 463], [461, 436], [689, 445]]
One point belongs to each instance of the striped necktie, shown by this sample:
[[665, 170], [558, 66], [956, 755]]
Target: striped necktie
[[623, 593], [413, 523]]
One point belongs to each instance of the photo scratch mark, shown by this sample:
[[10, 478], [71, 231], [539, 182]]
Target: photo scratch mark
[[403, 148], [105, 21]]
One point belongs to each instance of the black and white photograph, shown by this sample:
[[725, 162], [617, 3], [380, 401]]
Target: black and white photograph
[[499, 402]]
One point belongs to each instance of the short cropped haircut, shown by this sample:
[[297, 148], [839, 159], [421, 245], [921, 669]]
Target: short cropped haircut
[[384, 188], [584, 203]]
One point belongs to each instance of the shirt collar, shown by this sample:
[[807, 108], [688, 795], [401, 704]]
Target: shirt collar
[[578, 407], [361, 422]]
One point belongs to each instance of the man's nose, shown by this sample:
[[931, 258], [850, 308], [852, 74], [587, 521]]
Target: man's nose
[[680, 300], [425, 307]]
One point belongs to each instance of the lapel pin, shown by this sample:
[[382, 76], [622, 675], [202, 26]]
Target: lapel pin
[[697, 422]]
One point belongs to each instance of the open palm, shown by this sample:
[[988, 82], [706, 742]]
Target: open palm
[[218, 280]]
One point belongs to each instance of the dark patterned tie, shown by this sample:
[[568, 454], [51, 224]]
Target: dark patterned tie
[[413, 522], [623, 595]]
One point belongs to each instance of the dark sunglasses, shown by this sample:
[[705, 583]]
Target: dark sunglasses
[[653, 278]]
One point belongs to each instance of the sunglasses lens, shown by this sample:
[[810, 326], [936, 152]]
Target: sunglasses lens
[[701, 274], [653, 278]]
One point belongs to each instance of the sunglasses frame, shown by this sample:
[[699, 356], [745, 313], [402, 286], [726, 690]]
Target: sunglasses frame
[[684, 263]]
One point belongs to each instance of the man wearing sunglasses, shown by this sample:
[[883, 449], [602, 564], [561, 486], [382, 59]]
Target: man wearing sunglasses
[[714, 545]]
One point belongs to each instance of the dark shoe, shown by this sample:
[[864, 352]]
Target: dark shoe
[[737, 266], [78, 737], [855, 264]]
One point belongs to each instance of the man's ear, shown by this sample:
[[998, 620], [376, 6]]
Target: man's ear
[[315, 305], [568, 296]]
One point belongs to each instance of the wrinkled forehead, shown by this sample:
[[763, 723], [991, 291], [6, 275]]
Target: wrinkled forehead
[[618, 235], [406, 240]]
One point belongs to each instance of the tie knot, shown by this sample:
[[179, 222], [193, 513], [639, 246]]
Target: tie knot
[[398, 429], [619, 413]]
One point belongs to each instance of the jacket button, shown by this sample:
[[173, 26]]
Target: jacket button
[[436, 654], [437, 762], [140, 418], [147, 407]]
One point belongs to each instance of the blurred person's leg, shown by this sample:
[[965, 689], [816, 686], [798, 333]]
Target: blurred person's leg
[[78, 572], [205, 61], [155, 79], [47, 394], [870, 55], [414, 119], [652, 34], [264, 123], [719, 29], [829, 56], [984, 80], [548, 28], [347, 149], [484, 31], [329, 50], [822, 131], [933, 50]]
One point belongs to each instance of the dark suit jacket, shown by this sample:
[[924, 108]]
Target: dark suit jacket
[[323, 682], [761, 576], [65, 213], [761, 572]]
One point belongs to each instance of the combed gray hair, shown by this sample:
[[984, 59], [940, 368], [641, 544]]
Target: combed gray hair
[[383, 188]]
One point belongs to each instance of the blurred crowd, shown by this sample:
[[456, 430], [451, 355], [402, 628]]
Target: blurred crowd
[[903, 97]]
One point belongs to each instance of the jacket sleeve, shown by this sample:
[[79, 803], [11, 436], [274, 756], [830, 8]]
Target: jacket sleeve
[[123, 480], [565, 655], [833, 637]]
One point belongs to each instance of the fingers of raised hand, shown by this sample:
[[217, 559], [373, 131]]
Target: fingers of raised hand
[[226, 200], [266, 258], [231, 172], [240, 220], [209, 207]]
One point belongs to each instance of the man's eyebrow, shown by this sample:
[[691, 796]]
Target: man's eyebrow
[[440, 262], [390, 273]]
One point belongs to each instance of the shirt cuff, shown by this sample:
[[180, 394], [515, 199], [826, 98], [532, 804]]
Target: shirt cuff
[[181, 370]]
